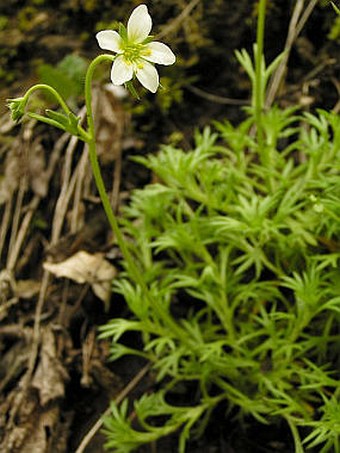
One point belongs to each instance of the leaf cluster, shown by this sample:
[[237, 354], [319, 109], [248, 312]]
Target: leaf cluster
[[67, 77], [241, 261]]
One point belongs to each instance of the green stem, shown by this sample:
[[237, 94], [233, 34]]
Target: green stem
[[260, 92], [295, 434], [43, 87], [132, 268], [259, 95], [96, 168], [51, 90]]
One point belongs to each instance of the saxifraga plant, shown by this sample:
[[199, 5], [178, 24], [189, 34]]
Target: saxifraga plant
[[231, 267], [239, 246], [248, 265]]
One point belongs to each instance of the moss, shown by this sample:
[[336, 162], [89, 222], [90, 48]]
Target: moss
[[3, 22], [90, 5], [26, 18], [334, 32]]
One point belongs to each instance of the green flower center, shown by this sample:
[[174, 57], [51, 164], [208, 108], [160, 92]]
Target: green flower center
[[133, 52]]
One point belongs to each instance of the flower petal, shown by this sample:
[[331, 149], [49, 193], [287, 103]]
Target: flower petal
[[121, 71], [159, 53], [109, 40], [139, 24], [147, 74]]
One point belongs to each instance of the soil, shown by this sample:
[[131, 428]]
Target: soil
[[56, 379]]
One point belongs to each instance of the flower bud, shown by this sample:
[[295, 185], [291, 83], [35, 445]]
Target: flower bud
[[17, 108]]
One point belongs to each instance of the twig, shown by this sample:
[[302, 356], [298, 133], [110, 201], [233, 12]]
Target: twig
[[81, 174], [25, 224], [62, 202], [74, 184], [336, 108], [296, 24], [308, 11], [13, 243], [177, 21], [34, 349], [279, 73], [7, 305], [99, 423], [5, 222], [20, 237], [63, 199], [215, 98], [81, 171]]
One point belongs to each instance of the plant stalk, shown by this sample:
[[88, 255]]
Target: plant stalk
[[259, 88], [132, 268]]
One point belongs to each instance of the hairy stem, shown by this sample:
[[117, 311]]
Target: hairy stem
[[81, 133], [51, 90]]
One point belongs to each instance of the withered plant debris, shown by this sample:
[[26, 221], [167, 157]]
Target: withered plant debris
[[51, 226]]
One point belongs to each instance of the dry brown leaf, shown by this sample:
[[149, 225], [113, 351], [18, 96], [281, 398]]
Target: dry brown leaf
[[36, 170], [49, 377], [111, 120], [36, 430], [10, 180], [45, 422], [25, 289], [84, 267], [13, 362]]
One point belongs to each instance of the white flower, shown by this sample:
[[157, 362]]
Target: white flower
[[136, 51]]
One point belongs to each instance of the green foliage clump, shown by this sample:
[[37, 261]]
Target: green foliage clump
[[334, 33], [231, 267], [67, 77], [242, 263], [3, 22], [26, 17]]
